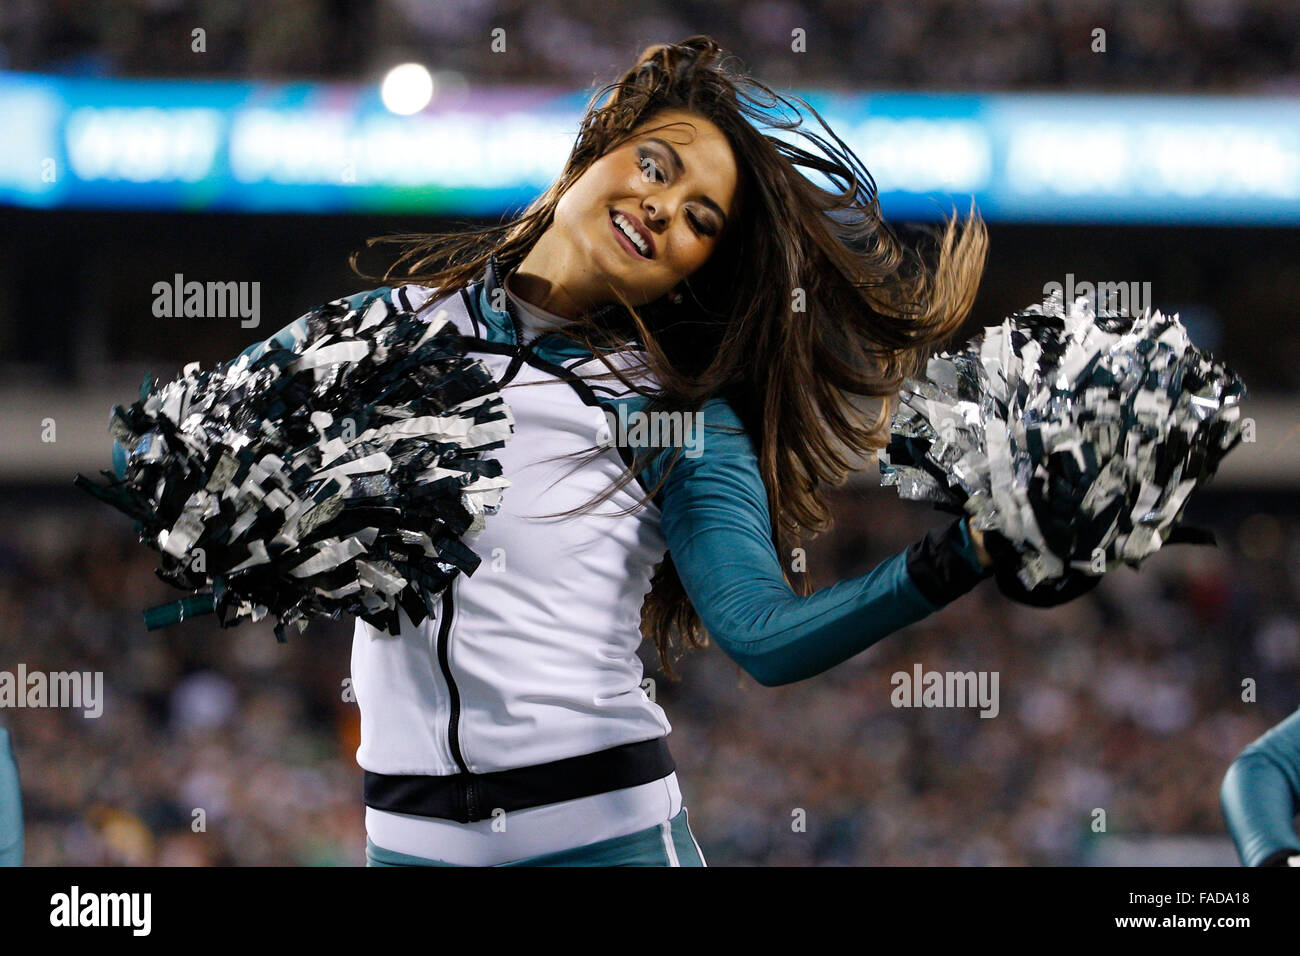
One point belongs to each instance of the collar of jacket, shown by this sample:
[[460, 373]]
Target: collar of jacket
[[503, 326]]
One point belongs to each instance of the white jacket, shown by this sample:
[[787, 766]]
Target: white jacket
[[533, 658]]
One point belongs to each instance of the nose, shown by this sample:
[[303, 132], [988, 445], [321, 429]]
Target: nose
[[654, 210]]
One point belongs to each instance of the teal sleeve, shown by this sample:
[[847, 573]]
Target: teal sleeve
[[1260, 795], [294, 331], [119, 459], [11, 806], [715, 520]]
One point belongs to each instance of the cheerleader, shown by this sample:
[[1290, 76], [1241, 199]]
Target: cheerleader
[[682, 269], [1260, 797]]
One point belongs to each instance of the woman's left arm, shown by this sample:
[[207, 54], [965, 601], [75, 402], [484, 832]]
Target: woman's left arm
[[718, 529]]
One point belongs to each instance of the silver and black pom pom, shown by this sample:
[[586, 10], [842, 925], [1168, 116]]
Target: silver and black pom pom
[[341, 475], [1075, 437]]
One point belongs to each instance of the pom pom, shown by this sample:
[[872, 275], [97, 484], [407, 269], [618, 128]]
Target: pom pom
[[342, 474], [1077, 438]]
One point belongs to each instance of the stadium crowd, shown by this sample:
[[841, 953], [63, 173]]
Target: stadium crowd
[[1238, 45], [224, 747]]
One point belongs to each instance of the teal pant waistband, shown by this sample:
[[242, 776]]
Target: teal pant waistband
[[669, 844]]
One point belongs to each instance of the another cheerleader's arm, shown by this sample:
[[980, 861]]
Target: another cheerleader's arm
[[11, 805], [716, 523], [1260, 796]]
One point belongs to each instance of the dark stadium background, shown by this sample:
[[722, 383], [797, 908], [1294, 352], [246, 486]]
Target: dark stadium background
[[1127, 700]]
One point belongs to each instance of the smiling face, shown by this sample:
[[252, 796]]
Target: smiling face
[[672, 186]]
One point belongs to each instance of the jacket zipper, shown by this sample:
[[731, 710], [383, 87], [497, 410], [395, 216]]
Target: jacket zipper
[[521, 352], [469, 795], [453, 723]]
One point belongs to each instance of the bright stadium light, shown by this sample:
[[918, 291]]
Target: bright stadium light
[[407, 89]]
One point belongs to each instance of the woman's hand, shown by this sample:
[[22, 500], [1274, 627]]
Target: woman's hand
[[977, 538], [993, 550]]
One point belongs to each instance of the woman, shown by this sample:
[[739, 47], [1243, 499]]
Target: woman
[[682, 265]]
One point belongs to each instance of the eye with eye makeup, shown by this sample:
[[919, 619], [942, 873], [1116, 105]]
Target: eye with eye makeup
[[646, 161]]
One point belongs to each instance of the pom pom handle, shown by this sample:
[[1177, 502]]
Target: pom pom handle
[[177, 611]]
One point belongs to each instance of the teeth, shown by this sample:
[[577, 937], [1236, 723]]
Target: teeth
[[629, 230]]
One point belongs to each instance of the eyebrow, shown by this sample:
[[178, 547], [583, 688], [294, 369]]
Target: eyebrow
[[681, 168]]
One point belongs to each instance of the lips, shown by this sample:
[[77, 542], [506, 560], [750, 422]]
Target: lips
[[627, 243]]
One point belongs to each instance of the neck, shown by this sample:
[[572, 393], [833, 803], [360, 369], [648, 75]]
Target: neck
[[542, 293], [553, 277]]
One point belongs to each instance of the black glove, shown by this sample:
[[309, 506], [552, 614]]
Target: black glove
[[939, 569], [1006, 561]]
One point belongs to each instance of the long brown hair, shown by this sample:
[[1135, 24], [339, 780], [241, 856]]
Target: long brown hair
[[809, 303]]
